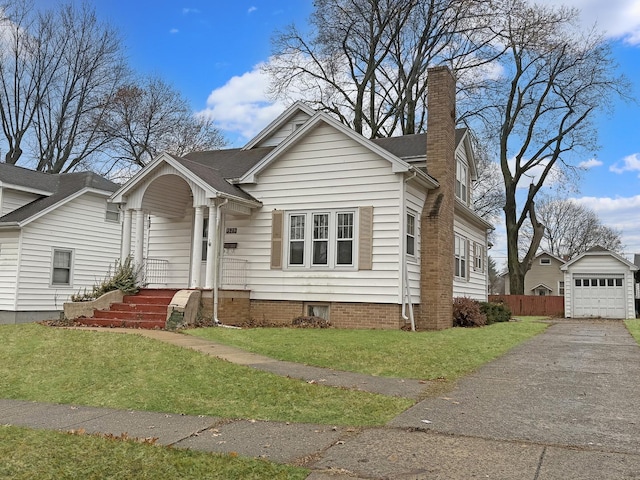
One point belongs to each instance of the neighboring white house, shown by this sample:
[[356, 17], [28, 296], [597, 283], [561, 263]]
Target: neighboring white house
[[58, 236], [599, 283], [311, 217]]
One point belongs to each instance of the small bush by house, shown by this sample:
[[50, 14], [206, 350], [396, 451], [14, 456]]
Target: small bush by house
[[495, 312], [467, 313]]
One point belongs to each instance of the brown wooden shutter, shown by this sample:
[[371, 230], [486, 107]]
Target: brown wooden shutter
[[277, 223], [365, 239]]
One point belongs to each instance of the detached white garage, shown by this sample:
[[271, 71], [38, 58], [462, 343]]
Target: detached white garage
[[599, 283]]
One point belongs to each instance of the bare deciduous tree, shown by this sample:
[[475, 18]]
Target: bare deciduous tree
[[90, 68], [571, 229], [149, 117], [365, 61], [554, 77]]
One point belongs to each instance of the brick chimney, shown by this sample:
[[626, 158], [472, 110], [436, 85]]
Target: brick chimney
[[437, 245]]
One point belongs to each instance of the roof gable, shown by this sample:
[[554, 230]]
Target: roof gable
[[397, 165], [600, 251], [294, 110], [67, 187]]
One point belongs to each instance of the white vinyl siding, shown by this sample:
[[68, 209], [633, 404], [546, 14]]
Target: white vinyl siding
[[79, 226], [325, 172], [9, 241], [170, 239], [14, 199], [414, 202], [475, 284], [284, 131], [612, 300]]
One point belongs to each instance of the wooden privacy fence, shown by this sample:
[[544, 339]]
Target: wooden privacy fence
[[547, 305]]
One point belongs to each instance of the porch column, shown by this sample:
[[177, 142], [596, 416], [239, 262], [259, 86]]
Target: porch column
[[212, 244], [125, 249], [138, 249], [196, 251]]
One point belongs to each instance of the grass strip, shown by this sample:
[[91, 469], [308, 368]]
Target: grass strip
[[633, 325], [446, 354], [122, 371], [27, 454]]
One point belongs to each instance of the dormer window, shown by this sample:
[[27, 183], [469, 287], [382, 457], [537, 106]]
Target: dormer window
[[461, 180]]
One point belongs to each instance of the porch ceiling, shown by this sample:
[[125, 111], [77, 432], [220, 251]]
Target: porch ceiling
[[167, 196]]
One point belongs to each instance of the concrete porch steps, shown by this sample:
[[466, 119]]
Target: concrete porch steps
[[147, 309]]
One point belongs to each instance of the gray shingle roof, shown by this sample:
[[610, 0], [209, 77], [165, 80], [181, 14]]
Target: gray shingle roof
[[408, 146], [61, 186]]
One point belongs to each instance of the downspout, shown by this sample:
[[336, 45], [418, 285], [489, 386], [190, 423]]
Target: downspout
[[406, 293], [216, 262]]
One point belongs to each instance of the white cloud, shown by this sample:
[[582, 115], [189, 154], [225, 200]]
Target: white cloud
[[589, 164], [241, 106], [252, 9], [617, 18], [187, 11], [621, 213], [174, 31], [630, 163]]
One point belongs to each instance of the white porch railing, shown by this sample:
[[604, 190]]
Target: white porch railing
[[233, 273], [155, 271]]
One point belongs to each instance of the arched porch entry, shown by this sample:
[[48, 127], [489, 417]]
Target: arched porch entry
[[173, 228]]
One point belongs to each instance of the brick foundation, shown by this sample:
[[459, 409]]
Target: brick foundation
[[235, 308]]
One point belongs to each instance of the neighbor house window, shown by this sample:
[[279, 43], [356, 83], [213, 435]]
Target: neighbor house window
[[61, 271], [461, 180], [560, 288], [460, 257], [326, 238], [411, 234], [545, 261], [112, 213]]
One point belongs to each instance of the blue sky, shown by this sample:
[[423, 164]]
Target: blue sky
[[211, 52]]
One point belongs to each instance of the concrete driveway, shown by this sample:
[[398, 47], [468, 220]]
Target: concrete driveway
[[564, 405]]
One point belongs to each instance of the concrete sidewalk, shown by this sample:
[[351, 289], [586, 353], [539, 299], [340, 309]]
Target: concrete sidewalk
[[564, 405]]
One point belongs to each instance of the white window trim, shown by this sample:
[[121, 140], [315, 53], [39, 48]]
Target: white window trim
[[547, 261], [464, 268], [112, 208], [462, 181], [411, 213], [71, 263], [332, 252]]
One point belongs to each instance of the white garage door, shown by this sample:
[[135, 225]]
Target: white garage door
[[599, 297]]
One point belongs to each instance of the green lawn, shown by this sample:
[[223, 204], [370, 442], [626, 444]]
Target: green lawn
[[447, 354], [37, 454], [131, 372], [634, 328]]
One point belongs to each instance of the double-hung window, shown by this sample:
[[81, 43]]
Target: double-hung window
[[296, 239], [460, 257], [345, 239], [61, 270], [321, 239], [461, 181], [411, 234]]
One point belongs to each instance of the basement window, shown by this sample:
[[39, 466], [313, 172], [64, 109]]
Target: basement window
[[318, 310]]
